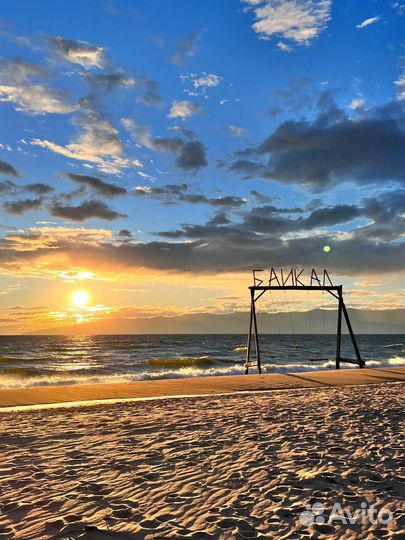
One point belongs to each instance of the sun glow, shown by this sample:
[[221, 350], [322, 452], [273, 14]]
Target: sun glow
[[80, 299]]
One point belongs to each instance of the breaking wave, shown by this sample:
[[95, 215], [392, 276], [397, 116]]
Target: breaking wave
[[207, 369]]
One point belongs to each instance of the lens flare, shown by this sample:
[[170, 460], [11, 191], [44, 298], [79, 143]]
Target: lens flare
[[327, 249]]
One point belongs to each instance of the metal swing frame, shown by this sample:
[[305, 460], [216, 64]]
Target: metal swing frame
[[258, 290]]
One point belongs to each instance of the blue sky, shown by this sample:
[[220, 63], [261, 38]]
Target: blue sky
[[199, 138]]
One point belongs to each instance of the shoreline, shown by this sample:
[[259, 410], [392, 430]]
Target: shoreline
[[42, 396]]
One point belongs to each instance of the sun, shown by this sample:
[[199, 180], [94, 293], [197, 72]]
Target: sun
[[80, 298]]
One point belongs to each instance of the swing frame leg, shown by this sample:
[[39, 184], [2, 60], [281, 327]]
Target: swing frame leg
[[339, 329], [249, 336]]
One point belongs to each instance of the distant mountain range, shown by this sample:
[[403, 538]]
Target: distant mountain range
[[316, 321]]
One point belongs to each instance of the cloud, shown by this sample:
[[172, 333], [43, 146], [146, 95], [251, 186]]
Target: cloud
[[208, 80], [39, 188], [86, 210], [36, 99], [98, 141], [183, 109], [191, 155], [329, 150], [259, 235], [125, 233], [22, 206], [261, 197], [15, 76], [8, 187], [185, 50], [178, 193], [104, 83], [357, 103], [326, 217], [219, 251], [108, 82], [6, 168], [296, 21], [400, 84], [79, 52], [368, 22], [98, 185], [236, 131], [17, 72]]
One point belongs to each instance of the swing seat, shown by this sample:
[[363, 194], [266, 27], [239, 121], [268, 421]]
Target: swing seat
[[318, 359], [349, 360]]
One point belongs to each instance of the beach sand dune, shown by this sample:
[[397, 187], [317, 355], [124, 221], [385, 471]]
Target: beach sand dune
[[219, 467]]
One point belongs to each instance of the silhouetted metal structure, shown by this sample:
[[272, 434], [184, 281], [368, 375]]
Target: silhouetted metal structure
[[291, 282]]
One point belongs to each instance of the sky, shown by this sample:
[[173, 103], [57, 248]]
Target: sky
[[153, 153]]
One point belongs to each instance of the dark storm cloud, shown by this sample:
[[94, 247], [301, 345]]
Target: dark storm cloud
[[384, 214], [331, 149], [261, 197], [98, 185], [348, 256], [193, 156], [109, 82], [86, 210], [6, 168], [178, 193], [8, 187], [326, 217], [150, 92], [185, 50], [39, 188], [221, 245], [20, 207], [125, 233], [386, 211]]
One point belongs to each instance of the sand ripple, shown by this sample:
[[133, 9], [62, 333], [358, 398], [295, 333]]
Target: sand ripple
[[230, 467]]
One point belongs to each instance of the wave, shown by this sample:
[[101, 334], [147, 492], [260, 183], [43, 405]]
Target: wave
[[185, 371], [186, 361], [240, 348], [392, 345]]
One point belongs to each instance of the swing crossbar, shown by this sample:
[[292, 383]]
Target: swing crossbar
[[295, 288]]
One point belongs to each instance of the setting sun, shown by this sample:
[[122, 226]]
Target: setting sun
[[80, 298]]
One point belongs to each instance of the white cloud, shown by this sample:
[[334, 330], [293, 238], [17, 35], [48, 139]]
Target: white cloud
[[36, 99], [357, 103], [109, 164], [236, 131], [299, 21], [79, 52], [400, 83], [368, 22], [98, 143], [284, 47], [17, 72], [15, 87], [208, 80], [183, 109]]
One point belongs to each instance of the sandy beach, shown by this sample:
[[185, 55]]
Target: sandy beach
[[222, 466]]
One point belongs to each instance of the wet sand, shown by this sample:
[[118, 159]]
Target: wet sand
[[196, 386]]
